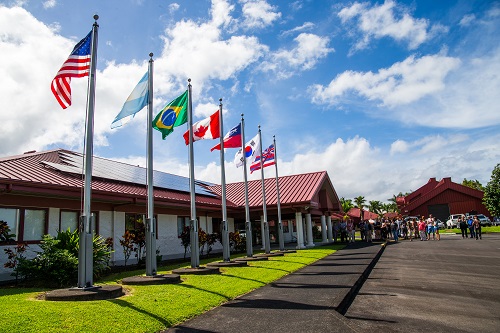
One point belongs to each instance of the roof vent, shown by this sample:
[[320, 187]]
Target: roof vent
[[30, 152]]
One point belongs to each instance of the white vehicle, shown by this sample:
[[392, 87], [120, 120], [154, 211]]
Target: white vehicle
[[452, 221], [484, 220]]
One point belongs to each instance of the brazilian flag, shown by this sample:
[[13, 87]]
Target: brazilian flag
[[172, 115]]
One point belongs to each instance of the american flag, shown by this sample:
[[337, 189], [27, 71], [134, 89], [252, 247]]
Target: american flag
[[267, 159], [77, 65]]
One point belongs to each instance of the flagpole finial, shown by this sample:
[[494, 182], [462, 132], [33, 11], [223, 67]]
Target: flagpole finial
[[151, 54], [242, 114], [189, 80], [220, 99], [96, 17]]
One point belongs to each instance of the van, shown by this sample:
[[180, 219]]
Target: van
[[452, 221]]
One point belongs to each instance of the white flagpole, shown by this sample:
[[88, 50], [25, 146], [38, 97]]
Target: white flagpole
[[226, 251], [280, 224], [267, 245], [248, 223], [150, 220], [195, 250], [85, 252]]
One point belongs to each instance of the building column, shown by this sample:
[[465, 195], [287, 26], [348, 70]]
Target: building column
[[300, 230], [330, 230], [310, 240], [323, 229], [262, 232]]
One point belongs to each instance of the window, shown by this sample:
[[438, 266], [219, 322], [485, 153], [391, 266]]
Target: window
[[134, 221], [216, 225], [182, 222], [28, 225], [285, 226], [69, 220], [11, 216]]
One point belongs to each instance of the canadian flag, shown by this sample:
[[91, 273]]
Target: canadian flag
[[207, 128]]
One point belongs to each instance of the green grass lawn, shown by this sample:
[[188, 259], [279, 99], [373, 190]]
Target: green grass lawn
[[146, 308], [484, 230]]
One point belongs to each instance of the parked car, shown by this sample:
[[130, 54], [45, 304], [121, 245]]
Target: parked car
[[440, 224], [496, 221], [452, 221], [484, 220]]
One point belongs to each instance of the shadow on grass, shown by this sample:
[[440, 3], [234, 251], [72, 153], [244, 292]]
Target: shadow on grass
[[126, 304], [244, 278], [188, 286], [16, 290]]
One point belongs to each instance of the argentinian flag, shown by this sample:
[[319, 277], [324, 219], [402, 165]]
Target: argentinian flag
[[137, 100]]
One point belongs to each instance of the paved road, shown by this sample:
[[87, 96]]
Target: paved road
[[451, 285]]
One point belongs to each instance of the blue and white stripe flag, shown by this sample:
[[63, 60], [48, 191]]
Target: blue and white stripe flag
[[137, 100]]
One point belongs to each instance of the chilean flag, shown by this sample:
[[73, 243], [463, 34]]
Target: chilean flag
[[207, 128], [232, 139]]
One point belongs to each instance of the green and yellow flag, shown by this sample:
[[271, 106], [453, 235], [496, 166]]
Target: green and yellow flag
[[172, 115]]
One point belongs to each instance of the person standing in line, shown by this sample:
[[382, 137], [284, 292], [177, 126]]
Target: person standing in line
[[368, 231], [421, 229], [436, 230], [351, 231], [477, 228], [463, 227], [336, 229], [395, 230], [411, 229], [430, 228], [343, 231], [362, 226], [470, 225]]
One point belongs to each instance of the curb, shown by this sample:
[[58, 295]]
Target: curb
[[353, 292]]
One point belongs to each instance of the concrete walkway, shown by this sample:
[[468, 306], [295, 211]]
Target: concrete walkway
[[451, 285], [308, 300]]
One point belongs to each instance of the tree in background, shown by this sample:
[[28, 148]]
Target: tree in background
[[491, 197], [346, 205], [359, 202], [375, 206], [475, 184]]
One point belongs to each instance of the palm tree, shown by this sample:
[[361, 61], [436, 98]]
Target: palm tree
[[346, 205], [375, 206], [360, 203]]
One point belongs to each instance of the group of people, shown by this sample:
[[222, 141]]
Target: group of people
[[470, 225], [383, 229]]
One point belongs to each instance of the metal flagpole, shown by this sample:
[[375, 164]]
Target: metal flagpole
[[226, 252], [195, 255], [85, 252], [267, 245], [150, 220], [280, 224], [248, 223]]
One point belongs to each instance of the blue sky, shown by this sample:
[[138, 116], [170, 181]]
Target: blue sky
[[381, 94]]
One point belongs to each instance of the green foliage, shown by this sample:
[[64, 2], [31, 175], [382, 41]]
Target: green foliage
[[211, 240], [475, 184], [5, 235], [185, 238], [346, 204], [14, 258], [375, 206], [202, 240], [237, 242], [491, 197]]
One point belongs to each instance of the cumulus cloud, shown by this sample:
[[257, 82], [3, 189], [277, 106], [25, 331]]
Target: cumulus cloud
[[402, 83], [309, 51], [49, 4], [258, 14], [387, 20]]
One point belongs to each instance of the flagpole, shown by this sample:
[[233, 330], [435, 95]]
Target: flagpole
[[150, 220], [267, 245], [226, 251], [280, 224], [195, 255], [248, 223], [85, 252]]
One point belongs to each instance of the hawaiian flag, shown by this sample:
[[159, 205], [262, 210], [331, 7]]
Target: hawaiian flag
[[207, 128], [77, 65], [267, 159], [232, 139]]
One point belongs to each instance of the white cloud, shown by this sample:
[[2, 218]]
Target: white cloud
[[49, 4], [399, 146], [402, 83], [309, 50], [303, 27], [387, 20], [173, 7], [467, 20], [258, 14], [34, 52]]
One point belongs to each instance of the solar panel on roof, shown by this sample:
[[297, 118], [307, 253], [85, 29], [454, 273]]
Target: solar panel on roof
[[108, 169]]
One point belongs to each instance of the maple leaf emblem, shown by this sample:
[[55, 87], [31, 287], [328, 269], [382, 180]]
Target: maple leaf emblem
[[200, 131]]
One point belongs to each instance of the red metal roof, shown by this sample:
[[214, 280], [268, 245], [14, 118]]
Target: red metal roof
[[295, 189], [434, 188], [28, 170], [354, 213]]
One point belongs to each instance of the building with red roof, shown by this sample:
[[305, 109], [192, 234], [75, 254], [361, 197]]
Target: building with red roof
[[441, 199], [40, 193]]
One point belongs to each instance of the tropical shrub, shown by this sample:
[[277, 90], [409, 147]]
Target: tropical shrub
[[14, 257], [5, 235]]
